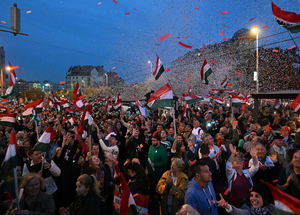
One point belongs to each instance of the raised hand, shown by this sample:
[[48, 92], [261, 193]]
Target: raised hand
[[273, 156], [222, 203], [253, 152], [232, 149]]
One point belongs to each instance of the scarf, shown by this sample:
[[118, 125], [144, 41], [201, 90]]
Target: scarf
[[263, 210]]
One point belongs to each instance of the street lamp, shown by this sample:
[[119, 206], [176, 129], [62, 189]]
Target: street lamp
[[255, 31], [151, 65]]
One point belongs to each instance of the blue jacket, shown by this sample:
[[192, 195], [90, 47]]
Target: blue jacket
[[199, 197]]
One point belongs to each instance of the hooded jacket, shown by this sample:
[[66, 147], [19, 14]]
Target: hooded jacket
[[201, 198]]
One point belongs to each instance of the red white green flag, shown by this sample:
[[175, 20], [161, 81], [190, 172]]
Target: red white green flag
[[159, 68], [205, 72], [161, 98], [43, 144]]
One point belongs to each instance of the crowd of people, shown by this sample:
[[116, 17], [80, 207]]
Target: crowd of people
[[212, 161]]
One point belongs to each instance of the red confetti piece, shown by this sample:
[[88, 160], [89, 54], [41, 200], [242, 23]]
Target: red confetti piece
[[164, 37], [255, 26], [116, 75], [203, 58], [226, 26], [187, 80], [226, 191], [185, 45], [22, 72], [197, 8], [186, 30], [292, 47], [168, 70], [62, 82], [28, 11], [275, 181], [274, 50], [224, 12], [157, 44], [213, 61], [266, 26], [229, 85], [155, 40], [222, 32], [203, 47], [131, 84], [224, 38], [115, 1], [228, 51], [238, 73], [180, 60], [187, 36], [127, 13], [178, 37], [193, 162], [113, 67], [252, 19], [14, 67], [3, 22], [136, 9], [187, 18], [241, 37]]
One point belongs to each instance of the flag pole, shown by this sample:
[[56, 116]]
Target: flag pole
[[90, 136], [293, 39], [16, 188], [174, 120]]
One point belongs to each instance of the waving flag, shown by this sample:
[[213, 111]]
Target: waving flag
[[86, 121], [43, 143], [117, 103], [215, 91], [77, 92], [205, 72], [35, 117], [288, 20], [218, 100], [11, 160], [185, 109], [108, 100], [296, 104], [12, 73], [192, 98], [10, 92], [237, 101], [159, 68], [143, 110], [35, 104], [161, 98], [8, 119]]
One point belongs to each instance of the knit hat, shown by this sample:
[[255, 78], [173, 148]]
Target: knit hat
[[264, 191]]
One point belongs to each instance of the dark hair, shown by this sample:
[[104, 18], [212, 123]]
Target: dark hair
[[89, 182], [196, 168], [157, 137], [204, 149], [31, 151], [115, 136], [190, 125], [138, 169]]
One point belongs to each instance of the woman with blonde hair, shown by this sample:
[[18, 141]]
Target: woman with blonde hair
[[33, 200], [172, 187]]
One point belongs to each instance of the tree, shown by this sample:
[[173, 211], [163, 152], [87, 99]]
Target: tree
[[34, 94]]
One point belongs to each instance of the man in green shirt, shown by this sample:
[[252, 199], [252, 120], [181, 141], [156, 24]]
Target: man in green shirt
[[157, 161]]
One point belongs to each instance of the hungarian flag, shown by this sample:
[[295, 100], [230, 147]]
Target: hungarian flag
[[43, 144], [192, 98], [143, 110], [185, 109], [218, 100], [117, 103], [284, 202], [37, 104], [159, 68], [8, 119], [64, 104], [237, 101], [11, 160], [12, 73], [190, 90], [277, 103], [86, 121], [100, 98], [288, 20], [296, 104], [205, 72], [224, 82], [10, 92], [161, 98], [79, 104], [77, 92], [108, 100]]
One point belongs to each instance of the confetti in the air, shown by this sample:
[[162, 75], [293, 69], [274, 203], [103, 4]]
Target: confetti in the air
[[187, 19], [164, 37], [266, 26], [136, 9], [127, 13], [226, 26], [197, 8], [62, 82], [252, 19], [274, 50], [3, 22], [168, 70], [228, 51], [203, 47], [222, 32], [255, 26], [213, 61], [292, 47], [187, 80], [224, 12], [99, 3], [238, 73], [225, 38], [185, 45], [28, 11], [14, 67], [155, 40], [113, 67], [115, 75], [115, 1]]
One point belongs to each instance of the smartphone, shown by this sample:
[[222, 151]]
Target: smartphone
[[19, 118]]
